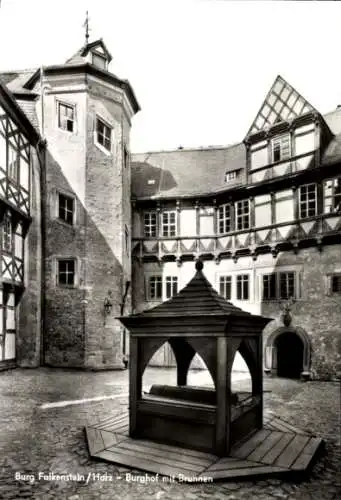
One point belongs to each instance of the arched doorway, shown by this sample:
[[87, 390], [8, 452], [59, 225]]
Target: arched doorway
[[287, 353], [289, 349]]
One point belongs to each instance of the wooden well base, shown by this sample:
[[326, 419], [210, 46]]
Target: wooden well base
[[279, 449]]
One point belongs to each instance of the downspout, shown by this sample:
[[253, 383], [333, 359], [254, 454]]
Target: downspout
[[41, 153], [124, 346]]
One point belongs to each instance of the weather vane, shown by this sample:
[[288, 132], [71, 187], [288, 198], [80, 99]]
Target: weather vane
[[87, 29]]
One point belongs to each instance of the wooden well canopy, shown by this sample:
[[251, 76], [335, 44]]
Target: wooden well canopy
[[196, 320]]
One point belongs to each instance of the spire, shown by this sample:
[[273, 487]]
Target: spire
[[87, 29]]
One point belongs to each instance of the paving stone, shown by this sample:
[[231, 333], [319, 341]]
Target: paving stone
[[53, 440]]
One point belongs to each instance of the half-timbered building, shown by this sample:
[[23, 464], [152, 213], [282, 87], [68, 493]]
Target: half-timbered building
[[266, 215]]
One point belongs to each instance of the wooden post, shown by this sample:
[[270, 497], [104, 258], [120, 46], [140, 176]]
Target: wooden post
[[135, 384], [223, 400]]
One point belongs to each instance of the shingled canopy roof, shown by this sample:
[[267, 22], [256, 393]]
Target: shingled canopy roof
[[197, 299]]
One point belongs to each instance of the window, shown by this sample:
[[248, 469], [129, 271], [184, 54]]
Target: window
[[66, 209], [232, 175], [225, 283], [66, 272], [66, 117], [171, 286], [280, 148], [13, 163], [154, 289], [336, 284], [308, 205], [332, 196], [269, 287], [7, 234], [169, 223], [150, 224], [99, 61], [242, 214], [103, 134], [224, 219], [287, 285], [243, 287]]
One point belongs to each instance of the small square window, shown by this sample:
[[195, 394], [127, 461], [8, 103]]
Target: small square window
[[66, 208], [66, 117], [66, 272], [103, 134]]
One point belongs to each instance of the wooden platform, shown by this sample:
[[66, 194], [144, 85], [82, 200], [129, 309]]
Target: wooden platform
[[279, 449]]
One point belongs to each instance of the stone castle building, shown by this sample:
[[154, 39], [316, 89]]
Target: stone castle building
[[90, 231]]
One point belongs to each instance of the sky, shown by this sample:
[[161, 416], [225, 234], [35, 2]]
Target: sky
[[200, 68]]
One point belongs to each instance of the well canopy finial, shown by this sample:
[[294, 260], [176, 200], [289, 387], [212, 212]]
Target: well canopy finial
[[199, 265]]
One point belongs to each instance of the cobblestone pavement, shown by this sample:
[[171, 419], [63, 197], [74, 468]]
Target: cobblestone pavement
[[51, 439]]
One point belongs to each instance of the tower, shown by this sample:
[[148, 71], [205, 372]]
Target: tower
[[85, 116]]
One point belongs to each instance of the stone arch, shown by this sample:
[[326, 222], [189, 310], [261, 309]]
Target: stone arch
[[270, 362]]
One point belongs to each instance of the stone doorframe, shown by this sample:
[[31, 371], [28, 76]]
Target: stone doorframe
[[270, 350]]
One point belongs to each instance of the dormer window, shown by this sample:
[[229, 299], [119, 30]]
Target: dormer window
[[232, 175], [99, 60], [280, 147]]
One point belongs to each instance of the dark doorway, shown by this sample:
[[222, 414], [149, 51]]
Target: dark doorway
[[289, 355]]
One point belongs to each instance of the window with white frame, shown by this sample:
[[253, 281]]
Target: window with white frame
[[171, 286], [169, 223], [224, 219], [225, 286], [150, 224], [66, 208], [332, 196], [154, 287], [243, 214], [243, 285], [103, 134], [66, 272], [287, 285], [280, 148], [66, 117], [307, 201]]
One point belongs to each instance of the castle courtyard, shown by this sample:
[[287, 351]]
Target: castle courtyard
[[44, 452]]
